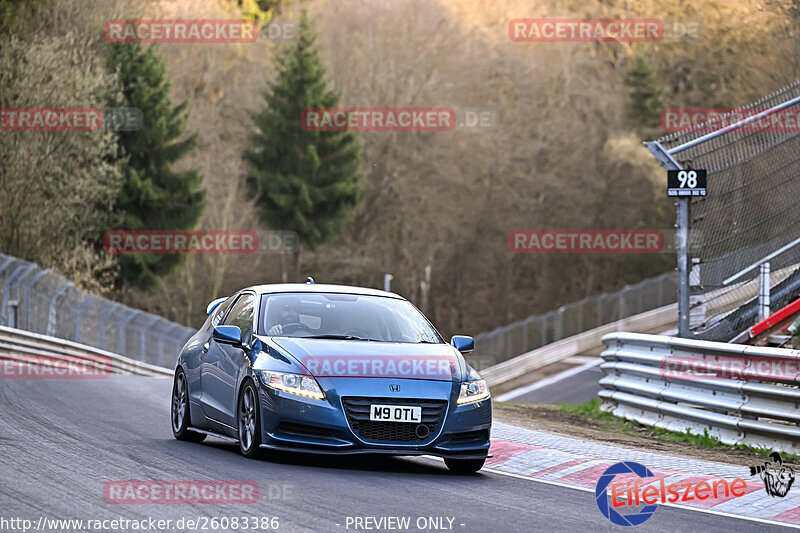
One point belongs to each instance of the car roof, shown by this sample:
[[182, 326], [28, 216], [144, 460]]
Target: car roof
[[321, 287]]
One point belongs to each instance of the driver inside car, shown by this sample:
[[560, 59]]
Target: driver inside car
[[286, 315]]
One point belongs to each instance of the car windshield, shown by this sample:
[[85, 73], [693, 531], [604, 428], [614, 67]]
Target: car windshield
[[345, 317]]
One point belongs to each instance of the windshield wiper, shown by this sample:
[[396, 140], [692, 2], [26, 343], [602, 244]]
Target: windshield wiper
[[338, 337]]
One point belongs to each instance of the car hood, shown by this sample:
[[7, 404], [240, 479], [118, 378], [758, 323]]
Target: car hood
[[327, 358]]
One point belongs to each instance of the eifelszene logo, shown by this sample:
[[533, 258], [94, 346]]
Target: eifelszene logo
[[641, 496], [777, 477], [601, 494]]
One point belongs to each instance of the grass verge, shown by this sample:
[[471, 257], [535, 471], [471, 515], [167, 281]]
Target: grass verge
[[608, 422]]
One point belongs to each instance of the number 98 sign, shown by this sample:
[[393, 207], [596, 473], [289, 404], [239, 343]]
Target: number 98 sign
[[686, 182]]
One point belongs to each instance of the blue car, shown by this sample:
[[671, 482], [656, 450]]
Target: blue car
[[330, 369]]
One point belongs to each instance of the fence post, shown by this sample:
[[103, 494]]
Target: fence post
[[763, 292], [79, 315], [144, 335], [101, 326], [622, 305], [640, 301], [7, 261], [525, 346], [559, 329], [178, 339], [27, 292], [682, 237], [19, 272], [544, 330], [600, 300], [51, 314], [123, 327]]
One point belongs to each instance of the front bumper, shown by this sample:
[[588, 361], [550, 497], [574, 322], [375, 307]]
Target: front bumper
[[293, 423]]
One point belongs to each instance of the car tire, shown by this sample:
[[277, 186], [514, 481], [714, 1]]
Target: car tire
[[179, 411], [249, 421], [464, 466]]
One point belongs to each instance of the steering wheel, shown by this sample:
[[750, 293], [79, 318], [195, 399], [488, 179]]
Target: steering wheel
[[292, 327]]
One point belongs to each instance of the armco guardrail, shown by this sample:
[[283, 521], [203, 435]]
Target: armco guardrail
[[504, 373], [655, 380], [44, 302], [661, 319], [19, 345]]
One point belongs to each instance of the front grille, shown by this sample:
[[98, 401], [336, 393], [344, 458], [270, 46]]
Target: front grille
[[357, 411]]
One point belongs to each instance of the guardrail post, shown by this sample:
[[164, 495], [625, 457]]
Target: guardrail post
[[763, 292]]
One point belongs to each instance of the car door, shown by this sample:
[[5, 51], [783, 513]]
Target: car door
[[222, 364], [194, 373]]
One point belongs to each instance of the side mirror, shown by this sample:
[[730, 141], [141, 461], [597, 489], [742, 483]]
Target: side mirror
[[227, 335], [462, 343], [213, 305]]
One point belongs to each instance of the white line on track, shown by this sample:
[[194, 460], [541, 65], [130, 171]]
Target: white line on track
[[547, 381]]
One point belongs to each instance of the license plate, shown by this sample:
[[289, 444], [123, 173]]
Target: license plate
[[395, 413]]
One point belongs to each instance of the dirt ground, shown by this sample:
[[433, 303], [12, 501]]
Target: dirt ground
[[553, 420]]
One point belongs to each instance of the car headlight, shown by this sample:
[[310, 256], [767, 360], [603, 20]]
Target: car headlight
[[294, 383], [473, 391]]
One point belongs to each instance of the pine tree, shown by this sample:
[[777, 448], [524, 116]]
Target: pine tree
[[303, 181], [153, 196], [646, 98]]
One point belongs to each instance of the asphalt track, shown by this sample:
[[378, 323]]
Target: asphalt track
[[577, 387], [62, 440]]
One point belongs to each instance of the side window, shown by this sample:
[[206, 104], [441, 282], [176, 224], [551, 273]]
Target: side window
[[242, 315], [220, 311]]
